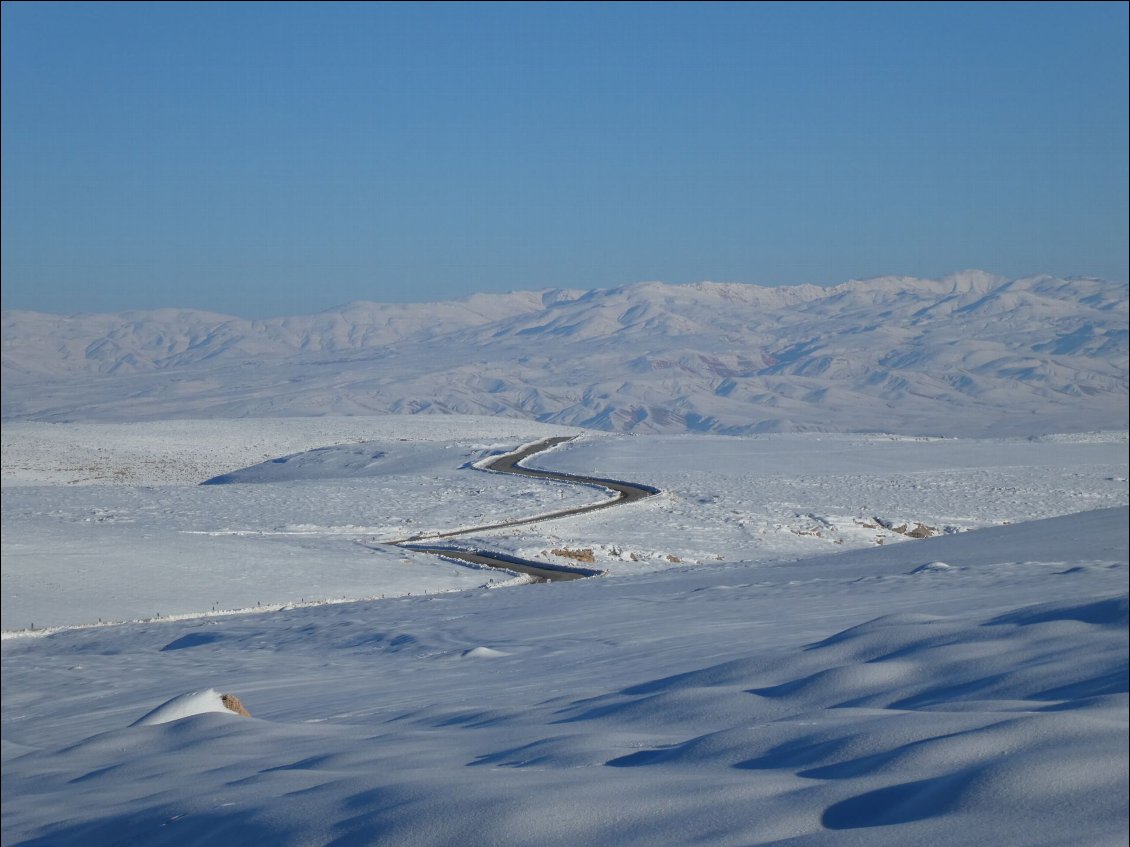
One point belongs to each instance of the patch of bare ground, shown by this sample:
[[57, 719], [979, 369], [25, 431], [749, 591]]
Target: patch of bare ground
[[585, 555], [920, 530]]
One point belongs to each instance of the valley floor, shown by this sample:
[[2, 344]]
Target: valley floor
[[108, 522]]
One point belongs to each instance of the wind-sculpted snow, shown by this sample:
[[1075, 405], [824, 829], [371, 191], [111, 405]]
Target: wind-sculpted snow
[[847, 700], [971, 354]]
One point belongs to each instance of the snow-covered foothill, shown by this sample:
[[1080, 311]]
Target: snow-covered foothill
[[969, 354]]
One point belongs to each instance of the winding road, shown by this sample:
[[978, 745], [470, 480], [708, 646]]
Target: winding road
[[510, 463]]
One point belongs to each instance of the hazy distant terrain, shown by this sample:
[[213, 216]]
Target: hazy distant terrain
[[970, 354]]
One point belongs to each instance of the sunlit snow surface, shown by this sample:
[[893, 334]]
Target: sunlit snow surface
[[124, 530], [962, 689], [108, 522]]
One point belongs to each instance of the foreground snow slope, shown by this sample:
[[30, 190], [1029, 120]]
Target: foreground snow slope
[[965, 689], [970, 354]]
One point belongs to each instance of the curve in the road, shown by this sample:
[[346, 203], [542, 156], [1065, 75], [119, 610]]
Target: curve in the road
[[510, 463]]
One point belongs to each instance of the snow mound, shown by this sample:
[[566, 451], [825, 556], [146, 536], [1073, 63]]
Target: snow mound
[[192, 703], [1110, 612], [483, 653], [932, 567], [335, 462]]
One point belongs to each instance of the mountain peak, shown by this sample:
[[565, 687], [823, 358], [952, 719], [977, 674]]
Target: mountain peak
[[973, 280]]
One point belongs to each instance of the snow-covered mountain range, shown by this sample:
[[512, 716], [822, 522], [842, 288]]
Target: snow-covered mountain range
[[969, 354]]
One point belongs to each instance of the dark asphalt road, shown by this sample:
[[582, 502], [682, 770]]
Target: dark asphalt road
[[626, 492]]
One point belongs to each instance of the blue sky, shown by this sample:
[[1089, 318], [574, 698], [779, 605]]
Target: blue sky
[[268, 159]]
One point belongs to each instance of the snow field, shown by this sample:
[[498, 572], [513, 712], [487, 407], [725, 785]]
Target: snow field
[[766, 497], [307, 526], [846, 699], [187, 452], [115, 550]]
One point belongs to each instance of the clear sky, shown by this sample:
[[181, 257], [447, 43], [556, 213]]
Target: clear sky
[[276, 158]]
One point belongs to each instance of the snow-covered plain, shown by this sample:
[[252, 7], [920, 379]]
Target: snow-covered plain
[[107, 522], [100, 533], [766, 663]]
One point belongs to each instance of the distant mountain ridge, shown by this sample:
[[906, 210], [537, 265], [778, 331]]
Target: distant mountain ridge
[[969, 354]]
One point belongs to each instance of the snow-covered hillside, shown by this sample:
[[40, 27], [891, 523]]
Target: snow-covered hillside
[[971, 354]]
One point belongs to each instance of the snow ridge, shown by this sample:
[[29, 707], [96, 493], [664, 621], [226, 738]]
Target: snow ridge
[[968, 354]]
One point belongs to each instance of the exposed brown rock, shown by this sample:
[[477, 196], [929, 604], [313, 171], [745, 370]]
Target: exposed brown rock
[[232, 704], [920, 529], [585, 555]]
